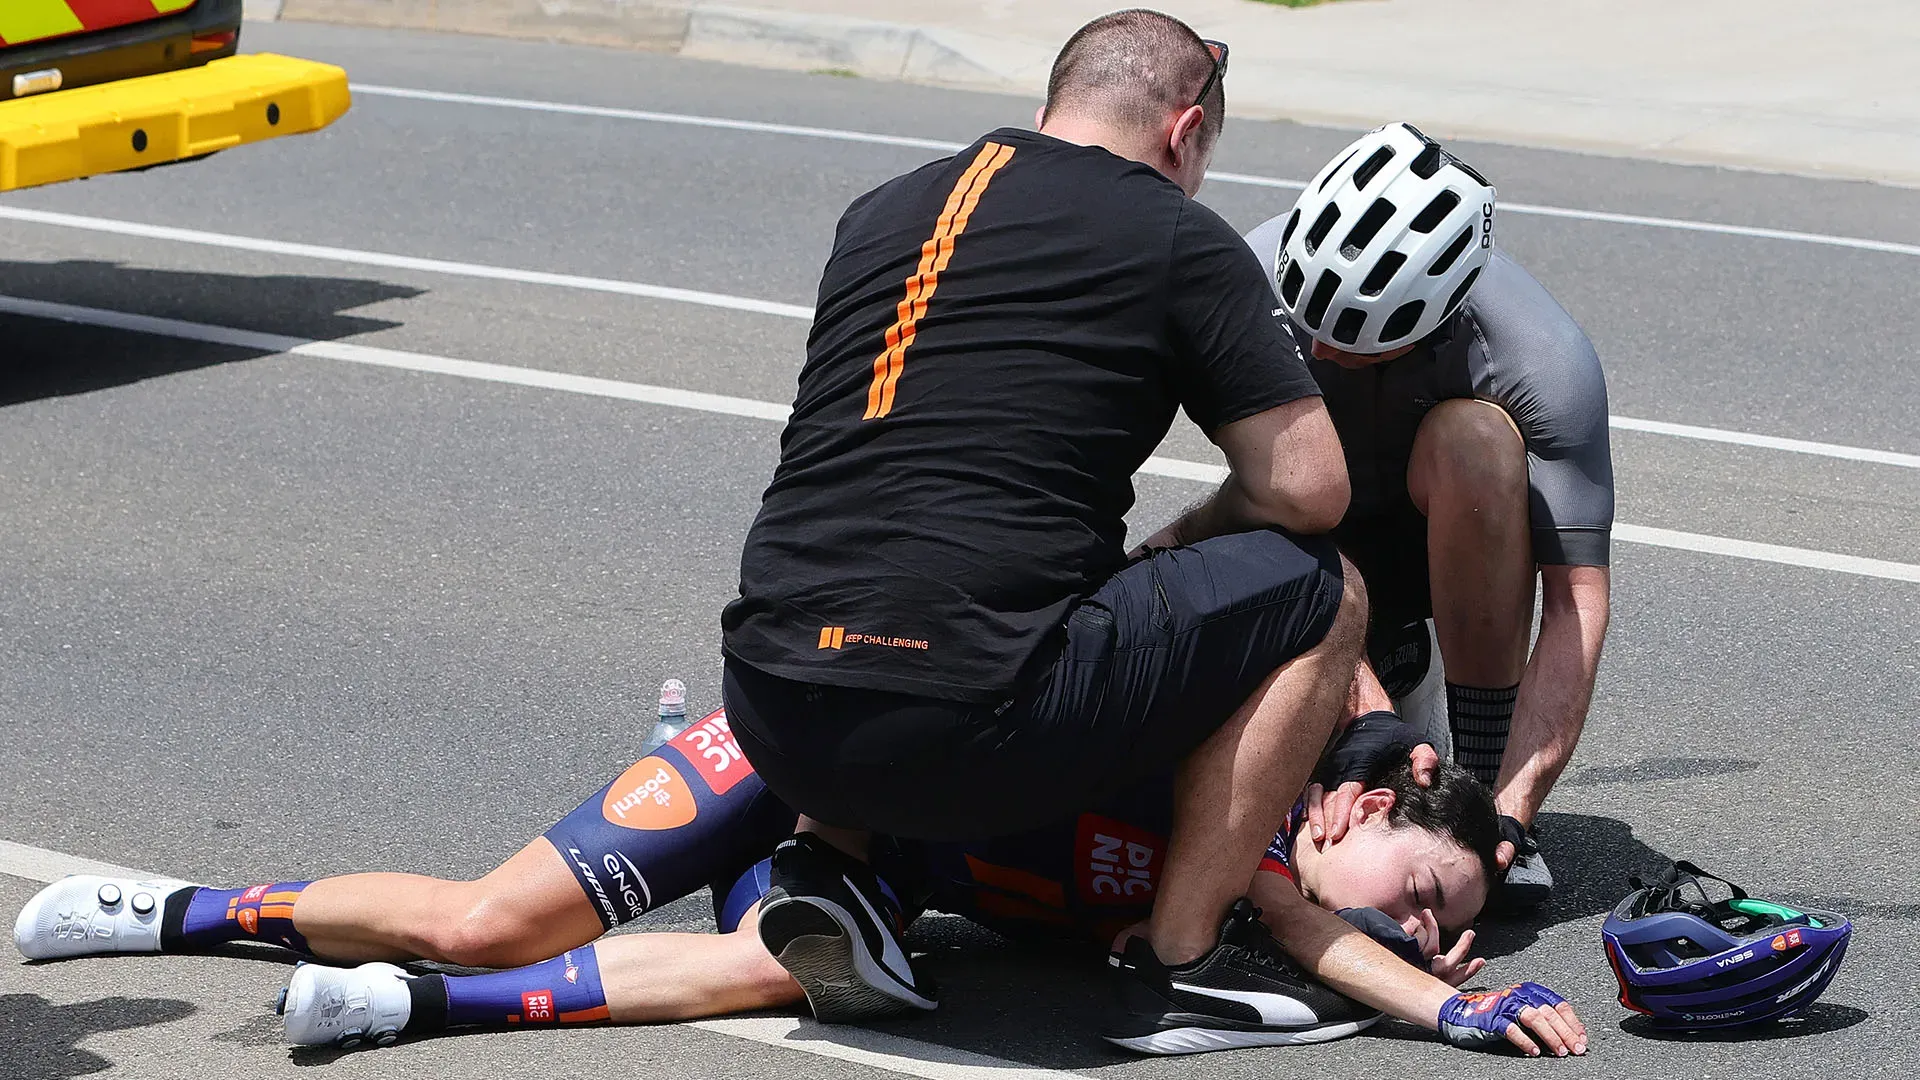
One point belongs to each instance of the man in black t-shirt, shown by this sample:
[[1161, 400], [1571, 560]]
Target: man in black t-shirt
[[939, 634]]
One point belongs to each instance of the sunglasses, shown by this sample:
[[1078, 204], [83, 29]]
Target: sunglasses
[[1219, 51]]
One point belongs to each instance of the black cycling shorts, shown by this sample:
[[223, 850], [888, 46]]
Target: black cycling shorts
[[1388, 546], [1149, 666]]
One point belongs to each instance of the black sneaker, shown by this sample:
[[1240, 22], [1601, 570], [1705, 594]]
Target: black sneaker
[[837, 932], [1245, 992]]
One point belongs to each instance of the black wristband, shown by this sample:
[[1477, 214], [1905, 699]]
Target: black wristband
[[1368, 740]]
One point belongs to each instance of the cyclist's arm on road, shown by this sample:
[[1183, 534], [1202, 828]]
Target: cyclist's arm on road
[[1332, 951], [1241, 377]]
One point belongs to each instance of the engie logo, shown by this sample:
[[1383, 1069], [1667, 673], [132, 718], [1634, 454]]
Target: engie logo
[[1736, 958], [1118, 864], [650, 795], [709, 747]]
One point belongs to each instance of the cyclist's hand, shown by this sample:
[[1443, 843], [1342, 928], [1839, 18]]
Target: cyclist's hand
[[1518, 1015], [1455, 966], [1329, 812]]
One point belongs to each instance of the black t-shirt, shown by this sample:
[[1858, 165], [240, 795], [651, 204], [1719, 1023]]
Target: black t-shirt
[[1001, 339]]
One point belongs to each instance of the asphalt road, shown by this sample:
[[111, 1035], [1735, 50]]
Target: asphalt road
[[266, 615]]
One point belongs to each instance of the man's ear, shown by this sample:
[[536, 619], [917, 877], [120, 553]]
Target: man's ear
[[1039, 118], [1372, 806], [1183, 138]]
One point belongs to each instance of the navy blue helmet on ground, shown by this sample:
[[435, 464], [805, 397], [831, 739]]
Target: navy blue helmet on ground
[[1690, 961]]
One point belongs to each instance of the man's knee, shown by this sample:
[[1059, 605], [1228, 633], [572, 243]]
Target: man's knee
[[1467, 448]]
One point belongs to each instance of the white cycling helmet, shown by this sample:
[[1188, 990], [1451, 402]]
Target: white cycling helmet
[[1384, 243]]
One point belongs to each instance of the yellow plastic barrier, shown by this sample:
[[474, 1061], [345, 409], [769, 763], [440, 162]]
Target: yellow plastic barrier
[[133, 123]]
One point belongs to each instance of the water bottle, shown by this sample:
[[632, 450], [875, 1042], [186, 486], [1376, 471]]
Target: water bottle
[[673, 715]]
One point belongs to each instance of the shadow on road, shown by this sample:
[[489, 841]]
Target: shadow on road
[[1821, 1018], [1591, 858], [42, 1039], [43, 358]]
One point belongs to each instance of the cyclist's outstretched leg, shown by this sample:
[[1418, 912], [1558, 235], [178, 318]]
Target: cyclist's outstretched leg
[[689, 813]]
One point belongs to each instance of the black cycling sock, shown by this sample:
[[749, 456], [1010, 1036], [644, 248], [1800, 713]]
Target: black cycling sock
[[429, 994], [1480, 719]]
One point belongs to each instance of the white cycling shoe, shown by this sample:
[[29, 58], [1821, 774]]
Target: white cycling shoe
[[90, 915], [344, 1007]]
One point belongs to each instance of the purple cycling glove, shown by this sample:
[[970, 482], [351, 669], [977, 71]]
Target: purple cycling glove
[[1477, 1021]]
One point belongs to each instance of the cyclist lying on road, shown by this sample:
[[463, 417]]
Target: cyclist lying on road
[[694, 813]]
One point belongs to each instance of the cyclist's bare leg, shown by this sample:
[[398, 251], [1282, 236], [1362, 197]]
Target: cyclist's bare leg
[[527, 909], [655, 978], [1468, 475]]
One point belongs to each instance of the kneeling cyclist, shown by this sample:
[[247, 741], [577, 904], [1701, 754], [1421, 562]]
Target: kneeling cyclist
[[1473, 413]]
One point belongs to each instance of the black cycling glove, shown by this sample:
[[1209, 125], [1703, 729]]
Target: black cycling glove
[[1369, 740]]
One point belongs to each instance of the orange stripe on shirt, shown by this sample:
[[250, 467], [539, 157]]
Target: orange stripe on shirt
[[585, 1016], [934, 256], [276, 911]]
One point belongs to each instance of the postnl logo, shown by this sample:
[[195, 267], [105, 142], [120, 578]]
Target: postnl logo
[[709, 746], [650, 795], [1119, 864]]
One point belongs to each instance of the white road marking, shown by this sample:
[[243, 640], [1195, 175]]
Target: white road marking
[[879, 1050], [1174, 468], [356, 257], [1768, 442], [1249, 179], [1748, 549], [44, 866], [402, 262]]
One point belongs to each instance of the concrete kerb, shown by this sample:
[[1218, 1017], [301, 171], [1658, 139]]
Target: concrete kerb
[[1307, 92]]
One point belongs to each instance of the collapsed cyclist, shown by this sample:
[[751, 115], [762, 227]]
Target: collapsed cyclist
[[1413, 866], [1473, 413]]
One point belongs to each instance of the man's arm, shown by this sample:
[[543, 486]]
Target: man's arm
[[1285, 467], [1329, 949], [1557, 687]]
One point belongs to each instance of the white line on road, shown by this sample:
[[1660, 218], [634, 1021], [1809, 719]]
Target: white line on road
[[402, 262], [1174, 468], [356, 257], [879, 1050], [1752, 232]]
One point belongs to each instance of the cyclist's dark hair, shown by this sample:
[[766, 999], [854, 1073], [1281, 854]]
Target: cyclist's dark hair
[[1134, 67], [1458, 807]]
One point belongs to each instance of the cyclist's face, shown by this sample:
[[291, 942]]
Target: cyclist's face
[[1399, 870], [1324, 351]]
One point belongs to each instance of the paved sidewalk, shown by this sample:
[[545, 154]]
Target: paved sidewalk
[[1789, 85]]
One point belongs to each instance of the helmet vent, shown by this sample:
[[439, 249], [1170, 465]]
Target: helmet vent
[[1322, 296], [1428, 162], [1402, 322], [1371, 167], [1347, 330], [1448, 257], [1460, 293], [1335, 171], [1382, 273], [1321, 227], [1436, 212], [1366, 229], [1293, 222], [1290, 286]]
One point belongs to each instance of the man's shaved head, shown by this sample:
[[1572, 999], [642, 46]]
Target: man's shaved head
[[1135, 69]]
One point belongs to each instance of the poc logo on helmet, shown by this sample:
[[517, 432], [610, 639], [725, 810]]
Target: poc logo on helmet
[[1486, 225]]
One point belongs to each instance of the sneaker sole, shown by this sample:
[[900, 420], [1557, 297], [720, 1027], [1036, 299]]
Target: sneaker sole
[[818, 943], [1200, 1040]]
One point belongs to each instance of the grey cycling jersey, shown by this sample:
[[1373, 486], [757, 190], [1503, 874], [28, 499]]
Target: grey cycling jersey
[[1512, 345]]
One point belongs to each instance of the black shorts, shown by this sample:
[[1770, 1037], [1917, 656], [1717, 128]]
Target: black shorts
[[1149, 666]]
